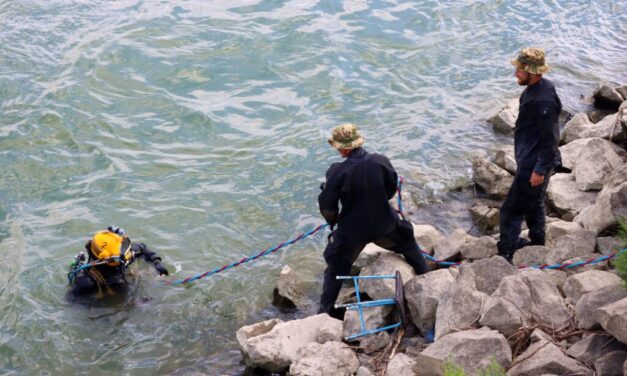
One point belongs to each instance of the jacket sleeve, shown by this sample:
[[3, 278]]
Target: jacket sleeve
[[391, 178], [142, 250], [328, 199], [547, 118]]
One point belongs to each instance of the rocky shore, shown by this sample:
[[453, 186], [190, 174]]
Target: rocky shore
[[486, 313]]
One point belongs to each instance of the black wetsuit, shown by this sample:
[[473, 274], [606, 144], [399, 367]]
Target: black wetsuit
[[106, 278], [536, 141], [363, 184]]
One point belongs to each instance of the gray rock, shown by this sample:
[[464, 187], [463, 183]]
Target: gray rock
[[509, 307], [460, 308], [488, 273], [485, 214], [368, 256], [610, 204], [491, 178], [606, 96], [249, 331], [559, 228], [575, 127], [373, 343], [575, 244], [423, 293], [589, 281], [587, 305], [290, 290], [547, 305], [531, 255], [479, 248], [607, 245], [427, 237], [329, 359], [276, 349], [374, 317], [564, 196], [504, 121], [622, 90], [402, 365], [611, 364], [385, 264], [613, 318], [364, 371], [450, 247], [428, 366], [594, 346], [505, 159], [473, 350], [594, 163], [571, 150], [544, 357]]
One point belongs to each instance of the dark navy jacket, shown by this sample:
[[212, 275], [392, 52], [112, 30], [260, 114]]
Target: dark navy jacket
[[536, 135], [363, 183]]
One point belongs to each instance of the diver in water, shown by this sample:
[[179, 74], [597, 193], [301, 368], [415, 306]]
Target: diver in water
[[104, 269]]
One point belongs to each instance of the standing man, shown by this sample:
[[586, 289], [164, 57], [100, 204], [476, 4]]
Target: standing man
[[536, 140], [363, 183]]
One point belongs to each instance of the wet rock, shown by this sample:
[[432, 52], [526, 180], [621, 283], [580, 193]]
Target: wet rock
[[427, 237], [276, 349], [594, 163], [460, 308], [582, 283], [543, 357], [485, 214], [505, 159], [504, 121], [606, 96], [424, 293], [611, 364], [594, 346], [564, 196], [249, 331], [402, 365], [290, 291], [491, 178], [531, 255], [473, 350], [575, 244], [331, 358], [613, 318], [588, 303], [385, 264]]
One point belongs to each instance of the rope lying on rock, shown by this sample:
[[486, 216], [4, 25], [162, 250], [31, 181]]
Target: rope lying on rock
[[400, 211]]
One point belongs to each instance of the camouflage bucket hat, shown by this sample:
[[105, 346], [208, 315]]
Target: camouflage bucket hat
[[345, 136], [531, 60]]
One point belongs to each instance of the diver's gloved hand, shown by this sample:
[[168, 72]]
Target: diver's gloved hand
[[116, 230], [160, 268]]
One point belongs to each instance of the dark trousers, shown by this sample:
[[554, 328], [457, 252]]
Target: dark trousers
[[340, 255], [523, 202]]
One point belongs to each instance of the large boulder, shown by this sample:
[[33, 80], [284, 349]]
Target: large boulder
[[566, 198], [491, 178], [594, 346], [479, 248], [559, 228], [606, 96], [575, 127], [504, 157], [402, 365], [329, 359], [580, 127], [588, 303], [276, 349], [427, 237], [368, 256], [582, 283], [473, 350], [613, 318], [609, 206], [543, 357], [570, 151], [594, 164], [611, 364], [460, 308], [385, 264], [509, 307], [290, 290], [450, 247], [485, 214], [424, 293], [504, 121], [374, 317], [249, 331], [547, 304], [488, 273], [530, 255], [575, 244], [607, 245]]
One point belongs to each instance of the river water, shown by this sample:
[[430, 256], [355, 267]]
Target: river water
[[200, 127]]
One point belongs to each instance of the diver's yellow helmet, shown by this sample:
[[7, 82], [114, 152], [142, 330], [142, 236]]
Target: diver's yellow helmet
[[107, 244]]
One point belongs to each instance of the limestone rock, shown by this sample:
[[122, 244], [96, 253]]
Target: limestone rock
[[427, 237], [485, 214], [509, 307], [250, 331], [594, 346], [385, 264], [531, 255], [575, 127], [402, 365], [547, 305], [374, 317], [564, 196], [473, 350], [589, 281], [610, 205], [609, 244], [594, 163], [559, 228], [329, 359], [587, 305], [290, 291], [450, 247], [368, 256], [505, 158], [611, 364], [428, 366], [504, 121], [575, 244], [491, 178], [606, 96], [613, 318], [488, 273], [479, 248], [543, 357], [423, 293]]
